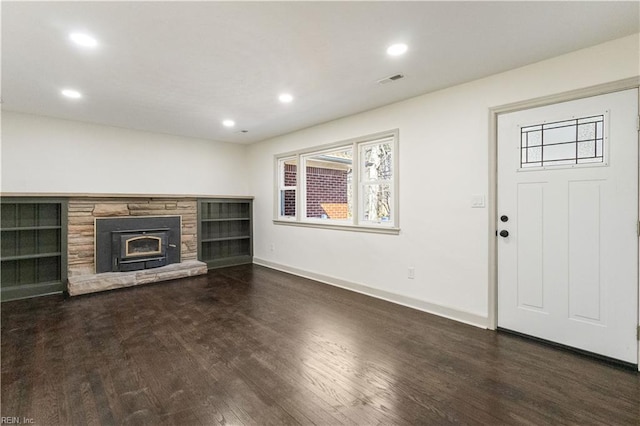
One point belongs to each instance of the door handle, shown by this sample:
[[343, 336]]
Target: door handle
[[504, 233]]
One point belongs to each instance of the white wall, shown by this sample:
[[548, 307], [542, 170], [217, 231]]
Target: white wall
[[48, 155], [444, 161]]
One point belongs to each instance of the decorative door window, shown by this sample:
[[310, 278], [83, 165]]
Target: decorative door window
[[562, 143]]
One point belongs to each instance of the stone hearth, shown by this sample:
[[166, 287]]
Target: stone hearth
[[84, 284]]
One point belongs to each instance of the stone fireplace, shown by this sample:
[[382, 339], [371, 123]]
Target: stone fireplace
[[147, 239]]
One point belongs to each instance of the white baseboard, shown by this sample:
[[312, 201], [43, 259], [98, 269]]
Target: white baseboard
[[443, 311]]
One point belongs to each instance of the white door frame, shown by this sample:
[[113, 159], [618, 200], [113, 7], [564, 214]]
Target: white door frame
[[601, 89]]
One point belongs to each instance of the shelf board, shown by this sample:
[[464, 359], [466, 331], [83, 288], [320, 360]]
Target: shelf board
[[210, 240], [23, 291], [30, 228], [240, 259], [230, 219], [31, 256]]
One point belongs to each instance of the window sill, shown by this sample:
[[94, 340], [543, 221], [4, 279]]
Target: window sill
[[354, 228]]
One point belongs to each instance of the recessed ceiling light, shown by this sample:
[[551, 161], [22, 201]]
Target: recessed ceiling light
[[228, 123], [397, 49], [285, 98], [83, 40], [70, 93]]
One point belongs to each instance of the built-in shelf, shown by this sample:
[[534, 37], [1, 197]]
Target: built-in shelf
[[209, 240], [33, 247], [225, 232], [30, 228], [30, 256]]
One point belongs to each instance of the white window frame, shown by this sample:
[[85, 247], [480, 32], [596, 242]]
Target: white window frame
[[356, 222], [363, 181]]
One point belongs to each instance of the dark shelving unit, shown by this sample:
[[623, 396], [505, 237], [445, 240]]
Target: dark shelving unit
[[225, 232], [33, 244]]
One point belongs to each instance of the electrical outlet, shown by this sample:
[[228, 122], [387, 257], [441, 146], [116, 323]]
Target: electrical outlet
[[412, 273], [477, 202]]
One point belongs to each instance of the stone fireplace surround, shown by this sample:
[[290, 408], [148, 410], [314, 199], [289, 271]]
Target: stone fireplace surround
[[82, 212]]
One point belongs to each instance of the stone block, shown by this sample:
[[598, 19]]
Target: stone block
[[80, 248], [146, 206], [110, 209], [79, 214], [82, 263], [79, 270], [153, 213], [81, 220], [80, 253], [138, 205], [80, 240], [81, 229], [80, 208]]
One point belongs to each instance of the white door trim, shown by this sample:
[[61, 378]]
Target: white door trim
[[601, 89]]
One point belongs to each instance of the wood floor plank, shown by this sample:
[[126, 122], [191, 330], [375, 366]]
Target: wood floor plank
[[248, 345]]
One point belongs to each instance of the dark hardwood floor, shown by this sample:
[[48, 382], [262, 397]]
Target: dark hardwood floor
[[249, 345]]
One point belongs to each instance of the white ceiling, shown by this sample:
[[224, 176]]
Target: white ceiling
[[182, 67]]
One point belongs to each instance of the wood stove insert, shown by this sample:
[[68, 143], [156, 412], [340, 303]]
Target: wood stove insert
[[136, 243]]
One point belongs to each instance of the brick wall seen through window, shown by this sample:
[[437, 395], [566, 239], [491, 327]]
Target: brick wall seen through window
[[326, 192]]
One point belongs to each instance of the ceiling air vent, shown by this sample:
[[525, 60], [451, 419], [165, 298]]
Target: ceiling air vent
[[390, 79]]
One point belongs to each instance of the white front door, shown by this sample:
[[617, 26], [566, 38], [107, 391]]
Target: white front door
[[568, 199]]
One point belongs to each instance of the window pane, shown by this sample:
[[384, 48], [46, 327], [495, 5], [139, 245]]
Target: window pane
[[289, 173], [560, 152], [534, 138], [377, 162], [534, 155], [329, 190], [376, 202], [288, 202], [288, 180], [559, 135], [587, 132], [587, 149]]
